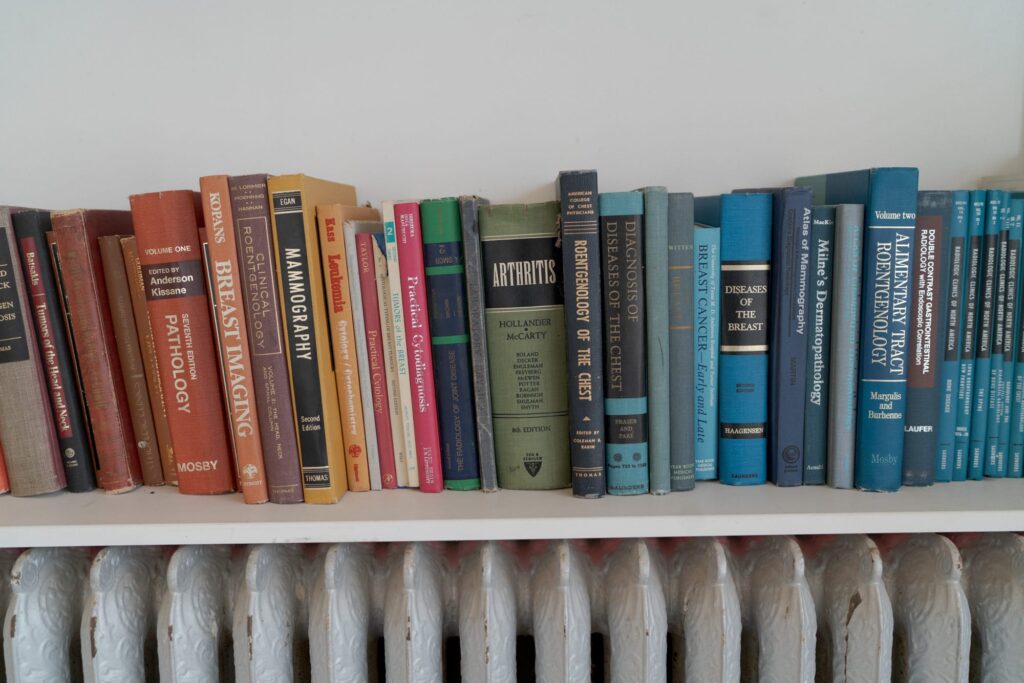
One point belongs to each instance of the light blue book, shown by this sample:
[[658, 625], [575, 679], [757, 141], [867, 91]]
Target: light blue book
[[1011, 340], [656, 286], [706, 264]]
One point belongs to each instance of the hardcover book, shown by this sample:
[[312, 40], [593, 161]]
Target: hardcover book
[[995, 460], [819, 344], [1012, 332], [654, 267], [973, 266], [5, 484], [681, 339], [30, 228], [581, 262], [706, 326], [445, 268], [387, 336], [525, 327]]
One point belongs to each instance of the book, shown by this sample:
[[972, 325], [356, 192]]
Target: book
[[166, 233], [706, 326], [654, 269], [76, 255], [31, 450], [973, 266], [845, 353], [819, 344], [934, 219], [889, 196], [235, 362], [331, 221], [681, 340], [625, 352], [445, 269], [387, 326], [1011, 340], [525, 331], [5, 484], [30, 228], [250, 212], [130, 355], [293, 202], [955, 246], [994, 459], [581, 264]]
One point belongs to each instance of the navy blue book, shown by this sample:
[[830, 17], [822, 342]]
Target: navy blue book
[[890, 199], [934, 215], [655, 268], [706, 326], [680, 340], [995, 462], [819, 343], [581, 265]]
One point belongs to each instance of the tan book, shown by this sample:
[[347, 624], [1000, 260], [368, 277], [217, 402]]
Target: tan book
[[387, 333]]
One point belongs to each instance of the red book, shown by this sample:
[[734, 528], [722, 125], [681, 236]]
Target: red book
[[166, 232], [417, 343], [5, 486], [375, 358]]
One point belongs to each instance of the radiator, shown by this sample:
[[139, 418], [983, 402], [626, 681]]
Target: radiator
[[844, 608]]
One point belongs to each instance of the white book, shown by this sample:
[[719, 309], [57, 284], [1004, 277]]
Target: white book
[[387, 338]]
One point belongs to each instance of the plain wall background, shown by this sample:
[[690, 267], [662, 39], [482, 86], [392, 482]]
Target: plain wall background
[[420, 99]]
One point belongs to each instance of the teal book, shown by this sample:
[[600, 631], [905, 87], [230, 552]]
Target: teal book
[[655, 269], [1012, 332], [995, 461], [625, 369], [819, 343], [706, 273], [680, 339]]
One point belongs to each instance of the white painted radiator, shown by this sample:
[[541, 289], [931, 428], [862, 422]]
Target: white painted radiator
[[911, 608]]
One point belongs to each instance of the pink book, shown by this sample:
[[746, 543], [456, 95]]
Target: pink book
[[417, 340]]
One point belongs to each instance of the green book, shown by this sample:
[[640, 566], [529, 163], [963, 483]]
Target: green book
[[525, 321]]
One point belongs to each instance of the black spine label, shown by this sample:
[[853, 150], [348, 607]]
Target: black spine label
[[13, 341], [744, 307], [956, 297], [984, 347], [971, 298], [521, 272]]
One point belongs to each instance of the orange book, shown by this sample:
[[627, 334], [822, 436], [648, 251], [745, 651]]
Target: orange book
[[235, 361], [5, 486], [331, 219]]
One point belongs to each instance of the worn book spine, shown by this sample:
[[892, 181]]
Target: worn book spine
[[845, 355], [625, 355], [69, 418], [233, 335], [654, 269], [973, 267], [387, 326], [1012, 332], [166, 233], [934, 216], [445, 268], [819, 344], [707, 260], [680, 340], [5, 483], [994, 460], [475, 310], [525, 326], [31, 450], [77, 252], [130, 355], [955, 246], [250, 212], [581, 264]]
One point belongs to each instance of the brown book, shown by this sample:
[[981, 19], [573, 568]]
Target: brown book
[[130, 354], [144, 327], [27, 430]]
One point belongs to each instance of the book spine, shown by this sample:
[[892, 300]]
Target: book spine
[[233, 335], [476, 314], [707, 313], [819, 344], [845, 355], [1012, 332], [5, 483], [743, 350], [250, 212], [343, 344], [955, 246], [130, 355], [973, 268], [681, 340], [581, 262], [655, 302], [525, 324], [625, 402], [921, 429], [168, 242], [445, 270], [58, 368], [994, 460], [387, 326]]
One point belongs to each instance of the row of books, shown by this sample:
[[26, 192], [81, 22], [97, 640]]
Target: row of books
[[270, 335]]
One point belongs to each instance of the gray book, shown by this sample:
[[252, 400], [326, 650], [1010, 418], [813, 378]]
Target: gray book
[[846, 285]]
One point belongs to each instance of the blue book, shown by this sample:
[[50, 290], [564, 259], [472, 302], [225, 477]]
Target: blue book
[[987, 283], [819, 343], [655, 270], [955, 248], [1012, 340], [625, 369], [973, 266], [921, 431], [680, 339], [890, 199], [995, 461], [706, 274]]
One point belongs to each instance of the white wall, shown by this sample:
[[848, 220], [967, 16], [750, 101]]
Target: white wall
[[103, 99]]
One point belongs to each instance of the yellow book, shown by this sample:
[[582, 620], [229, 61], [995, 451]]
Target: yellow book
[[293, 202], [331, 219]]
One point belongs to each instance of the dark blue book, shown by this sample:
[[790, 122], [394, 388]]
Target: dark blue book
[[955, 248], [890, 199], [1012, 330], [655, 268], [706, 297], [680, 340], [581, 265], [819, 342], [934, 215], [995, 461]]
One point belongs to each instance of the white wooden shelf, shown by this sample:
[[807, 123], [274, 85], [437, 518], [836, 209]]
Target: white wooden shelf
[[162, 516]]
